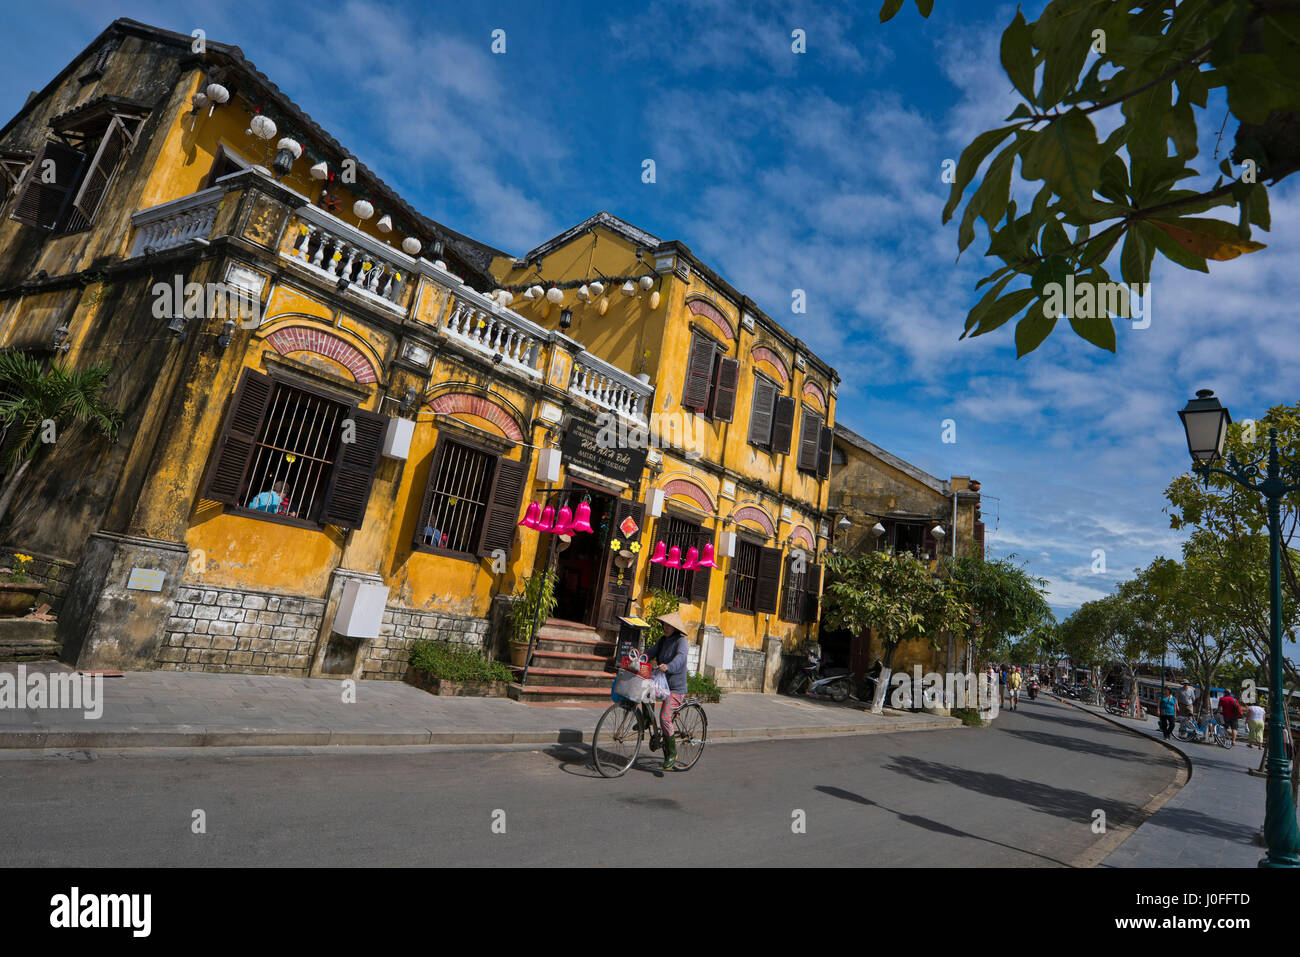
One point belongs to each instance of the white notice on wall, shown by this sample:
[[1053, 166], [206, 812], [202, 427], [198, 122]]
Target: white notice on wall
[[145, 579]]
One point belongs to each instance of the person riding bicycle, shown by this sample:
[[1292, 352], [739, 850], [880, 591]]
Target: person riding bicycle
[[670, 654]]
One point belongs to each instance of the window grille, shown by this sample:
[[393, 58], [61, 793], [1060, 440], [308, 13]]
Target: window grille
[[684, 535], [458, 499], [294, 454], [745, 569]]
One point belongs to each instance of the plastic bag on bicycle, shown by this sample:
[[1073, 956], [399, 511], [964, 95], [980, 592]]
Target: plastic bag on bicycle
[[633, 687], [660, 682]]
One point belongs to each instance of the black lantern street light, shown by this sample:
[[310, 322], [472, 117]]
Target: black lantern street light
[[1206, 424]]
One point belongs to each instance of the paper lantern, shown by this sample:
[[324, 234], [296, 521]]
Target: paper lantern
[[564, 521], [597, 288], [362, 209], [547, 522], [320, 171], [582, 518], [654, 299], [218, 94], [706, 560], [529, 294], [411, 246], [692, 559], [647, 282], [604, 305], [584, 293], [385, 224], [530, 516], [554, 294], [199, 100], [629, 289], [674, 558], [290, 144], [261, 126], [503, 297], [537, 291], [661, 550], [439, 264]]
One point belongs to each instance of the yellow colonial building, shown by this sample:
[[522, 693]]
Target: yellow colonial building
[[337, 411]]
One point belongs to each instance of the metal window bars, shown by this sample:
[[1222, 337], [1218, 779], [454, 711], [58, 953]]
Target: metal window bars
[[295, 454], [459, 499], [684, 535], [745, 596]]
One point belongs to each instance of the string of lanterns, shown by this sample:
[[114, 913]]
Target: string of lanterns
[[566, 522], [672, 557], [591, 291]]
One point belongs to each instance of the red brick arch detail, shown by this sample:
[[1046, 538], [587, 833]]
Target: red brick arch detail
[[756, 515], [468, 404], [709, 311], [308, 339], [764, 354], [691, 490], [803, 535], [814, 390]]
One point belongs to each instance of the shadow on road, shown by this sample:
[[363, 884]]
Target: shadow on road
[[927, 823], [1074, 744]]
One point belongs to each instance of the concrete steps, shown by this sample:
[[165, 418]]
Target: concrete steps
[[28, 639], [571, 662]]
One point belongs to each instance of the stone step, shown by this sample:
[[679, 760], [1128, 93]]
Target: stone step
[[573, 662], [548, 677], [557, 693], [559, 628], [575, 646], [28, 639]]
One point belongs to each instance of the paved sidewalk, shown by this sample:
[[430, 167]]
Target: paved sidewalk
[[149, 709], [1213, 821]]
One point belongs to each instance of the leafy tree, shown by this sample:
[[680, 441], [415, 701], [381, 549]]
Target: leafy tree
[[1006, 601], [39, 402], [1150, 67], [897, 595]]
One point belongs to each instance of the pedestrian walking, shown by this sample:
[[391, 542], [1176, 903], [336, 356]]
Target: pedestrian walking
[[1230, 708], [1002, 687], [1255, 722], [1014, 683], [1185, 700], [1168, 709]]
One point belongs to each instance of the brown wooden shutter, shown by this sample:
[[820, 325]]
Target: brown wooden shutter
[[238, 438], [760, 416], [812, 591], [699, 374], [503, 508], [783, 424], [701, 577], [730, 594], [724, 392], [354, 472], [768, 586], [422, 518], [824, 453], [99, 175], [979, 539], [809, 440], [40, 203]]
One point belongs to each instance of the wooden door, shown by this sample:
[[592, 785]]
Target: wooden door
[[616, 595]]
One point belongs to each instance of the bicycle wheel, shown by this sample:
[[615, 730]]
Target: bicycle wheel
[[1224, 740], [1184, 732], [691, 729], [616, 741]]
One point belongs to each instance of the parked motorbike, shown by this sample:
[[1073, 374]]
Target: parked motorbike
[[1117, 705], [834, 683]]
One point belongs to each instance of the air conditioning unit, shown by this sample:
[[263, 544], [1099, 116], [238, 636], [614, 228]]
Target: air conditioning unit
[[361, 610]]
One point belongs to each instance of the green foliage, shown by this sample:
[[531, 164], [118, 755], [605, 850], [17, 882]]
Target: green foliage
[[532, 605], [1153, 65], [703, 687], [453, 662], [658, 603], [36, 394], [970, 717], [892, 7], [1006, 601]]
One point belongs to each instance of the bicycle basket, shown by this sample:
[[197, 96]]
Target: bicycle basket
[[632, 687]]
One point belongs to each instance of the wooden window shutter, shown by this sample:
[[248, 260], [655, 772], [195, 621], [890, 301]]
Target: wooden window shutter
[[760, 416], [768, 586], [655, 576], [354, 472], [42, 203], [699, 374], [809, 440], [701, 577], [422, 517], [503, 508], [824, 453], [238, 438], [724, 392], [729, 595], [99, 175], [812, 593], [783, 424]]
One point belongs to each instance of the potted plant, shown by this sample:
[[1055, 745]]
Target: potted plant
[[17, 589], [446, 668], [529, 608]]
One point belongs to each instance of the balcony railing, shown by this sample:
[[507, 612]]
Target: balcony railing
[[338, 253], [176, 223], [609, 387], [508, 338]]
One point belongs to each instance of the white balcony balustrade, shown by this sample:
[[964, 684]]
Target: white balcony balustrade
[[609, 387], [338, 253], [173, 224], [508, 338]]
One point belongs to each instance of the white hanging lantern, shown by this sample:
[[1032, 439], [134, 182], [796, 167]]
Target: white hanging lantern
[[529, 294], [584, 293], [411, 246], [199, 100], [504, 297], [218, 94], [647, 282], [320, 171], [439, 264], [654, 299], [597, 288], [362, 209], [290, 144], [629, 289], [263, 127], [604, 305], [554, 294], [385, 224], [537, 291]]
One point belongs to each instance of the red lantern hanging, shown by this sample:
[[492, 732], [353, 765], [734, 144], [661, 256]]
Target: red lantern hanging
[[582, 518], [564, 521], [706, 560], [674, 558], [531, 516], [547, 523], [661, 552]]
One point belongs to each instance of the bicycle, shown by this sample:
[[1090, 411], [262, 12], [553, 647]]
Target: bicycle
[[621, 729], [1192, 730]]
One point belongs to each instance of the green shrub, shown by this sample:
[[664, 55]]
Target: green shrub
[[703, 687], [453, 662], [532, 605], [970, 717], [659, 603]]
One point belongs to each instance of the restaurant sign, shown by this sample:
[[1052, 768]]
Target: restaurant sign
[[583, 449]]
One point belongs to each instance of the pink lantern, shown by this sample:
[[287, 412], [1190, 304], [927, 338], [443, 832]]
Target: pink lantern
[[530, 516], [692, 559], [564, 521], [661, 550], [582, 518], [547, 524], [707, 560], [674, 558]]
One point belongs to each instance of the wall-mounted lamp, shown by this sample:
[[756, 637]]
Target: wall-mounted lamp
[[177, 328], [343, 283], [60, 337], [227, 333], [877, 530], [566, 318], [843, 525], [408, 400]]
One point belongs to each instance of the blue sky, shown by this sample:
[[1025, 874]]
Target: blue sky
[[817, 171]]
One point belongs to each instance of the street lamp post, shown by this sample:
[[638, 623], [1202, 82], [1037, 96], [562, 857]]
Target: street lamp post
[[1206, 424]]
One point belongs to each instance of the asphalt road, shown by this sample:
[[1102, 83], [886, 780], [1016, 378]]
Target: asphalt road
[[1022, 793]]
